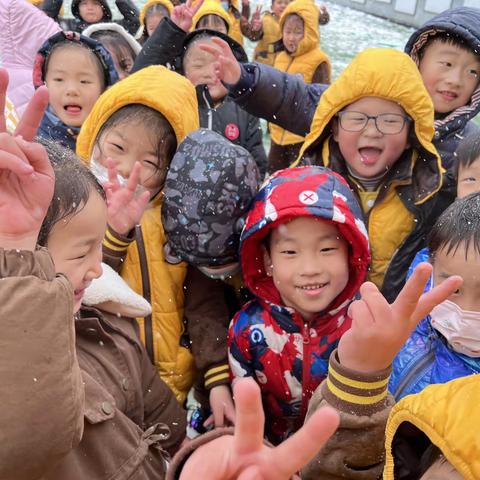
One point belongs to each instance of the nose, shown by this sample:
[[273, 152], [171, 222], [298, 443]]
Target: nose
[[95, 268], [455, 77], [371, 129], [309, 267], [72, 88]]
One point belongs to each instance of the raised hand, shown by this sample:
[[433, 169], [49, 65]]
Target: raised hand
[[256, 19], [379, 329], [124, 209], [182, 14], [244, 456], [227, 68], [223, 409]]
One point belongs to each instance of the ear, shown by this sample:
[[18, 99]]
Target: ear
[[335, 129], [267, 262]]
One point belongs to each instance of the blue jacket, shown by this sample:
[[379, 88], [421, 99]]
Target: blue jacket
[[52, 128], [426, 357]]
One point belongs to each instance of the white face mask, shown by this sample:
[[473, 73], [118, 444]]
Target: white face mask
[[225, 5], [221, 273], [460, 327]]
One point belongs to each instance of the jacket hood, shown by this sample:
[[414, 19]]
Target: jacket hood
[[107, 13], [209, 188], [212, 7], [446, 415], [303, 192], [392, 75], [113, 27], [108, 67], [111, 293], [308, 11], [463, 22], [165, 3], [156, 87]]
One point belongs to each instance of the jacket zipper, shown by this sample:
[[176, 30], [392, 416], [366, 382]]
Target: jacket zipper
[[420, 366], [209, 112], [305, 369], [147, 321]]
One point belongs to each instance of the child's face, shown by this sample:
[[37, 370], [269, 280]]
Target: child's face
[[126, 143], [292, 34], [212, 22], [465, 263], [91, 11], [450, 75], [368, 151], [308, 261], [76, 245], [468, 179], [198, 66], [74, 84], [152, 21], [123, 63], [278, 6]]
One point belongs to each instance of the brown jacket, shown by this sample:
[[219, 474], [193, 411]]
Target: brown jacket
[[130, 418]]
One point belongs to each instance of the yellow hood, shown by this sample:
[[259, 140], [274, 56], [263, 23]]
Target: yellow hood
[[156, 87], [309, 12], [166, 3], [449, 415], [212, 7], [384, 73]]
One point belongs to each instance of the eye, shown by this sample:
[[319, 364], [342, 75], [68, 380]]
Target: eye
[[469, 179], [150, 164], [85, 82], [474, 73], [328, 249], [58, 79], [288, 252], [117, 146], [446, 64]]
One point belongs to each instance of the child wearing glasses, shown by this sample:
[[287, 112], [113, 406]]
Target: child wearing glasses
[[374, 126]]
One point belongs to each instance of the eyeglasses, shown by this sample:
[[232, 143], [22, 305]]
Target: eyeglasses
[[386, 123]]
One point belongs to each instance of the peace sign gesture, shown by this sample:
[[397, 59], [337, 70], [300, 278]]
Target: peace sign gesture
[[182, 14], [26, 177], [256, 19]]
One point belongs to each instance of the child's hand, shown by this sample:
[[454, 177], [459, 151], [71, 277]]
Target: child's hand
[[256, 19], [182, 14], [244, 456], [124, 209], [227, 68], [223, 409], [379, 329]]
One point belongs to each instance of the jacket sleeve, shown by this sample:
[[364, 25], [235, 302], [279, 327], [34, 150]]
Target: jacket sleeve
[[321, 74], [254, 144], [115, 246], [356, 450], [41, 387], [206, 315], [163, 47], [268, 93], [52, 8], [130, 14]]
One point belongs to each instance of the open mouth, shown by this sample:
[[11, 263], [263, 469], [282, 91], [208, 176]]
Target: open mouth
[[447, 95], [369, 155], [73, 109], [313, 288]]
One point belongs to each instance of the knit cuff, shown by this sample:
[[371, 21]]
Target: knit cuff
[[355, 392], [116, 244], [217, 375]]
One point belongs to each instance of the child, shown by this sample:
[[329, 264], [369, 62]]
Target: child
[[446, 50], [446, 344], [217, 112], [301, 55], [304, 254], [87, 12], [212, 16], [468, 166], [152, 13], [76, 70], [122, 47]]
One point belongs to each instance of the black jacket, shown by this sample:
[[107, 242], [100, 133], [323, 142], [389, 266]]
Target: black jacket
[[127, 8]]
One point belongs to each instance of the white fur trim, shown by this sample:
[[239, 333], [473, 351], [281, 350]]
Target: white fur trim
[[113, 27]]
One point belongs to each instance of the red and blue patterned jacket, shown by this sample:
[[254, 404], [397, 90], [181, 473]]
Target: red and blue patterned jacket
[[287, 356]]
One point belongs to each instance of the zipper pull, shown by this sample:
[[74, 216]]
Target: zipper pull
[[306, 334]]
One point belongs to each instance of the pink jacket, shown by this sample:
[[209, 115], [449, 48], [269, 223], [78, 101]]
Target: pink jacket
[[23, 30]]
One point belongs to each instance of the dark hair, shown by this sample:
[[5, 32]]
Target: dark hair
[[458, 225], [157, 8], [69, 44], [448, 38], [74, 183], [116, 44], [468, 152], [197, 26], [293, 15], [155, 123]]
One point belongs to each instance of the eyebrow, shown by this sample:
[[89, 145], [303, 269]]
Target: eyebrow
[[321, 238]]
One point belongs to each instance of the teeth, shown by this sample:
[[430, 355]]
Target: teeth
[[313, 287]]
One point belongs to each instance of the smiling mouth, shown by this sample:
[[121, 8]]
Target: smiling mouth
[[447, 95], [313, 286], [369, 155]]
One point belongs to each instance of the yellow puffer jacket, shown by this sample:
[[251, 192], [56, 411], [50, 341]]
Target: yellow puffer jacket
[[212, 7], [304, 61], [173, 96], [235, 30], [391, 75], [449, 415], [166, 3], [271, 33]]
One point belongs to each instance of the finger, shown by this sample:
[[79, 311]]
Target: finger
[[134, 178], [361, 315], [209, 48], [407, 300], [209, 421], [30, 121], [375, 301], [14, 164], [251, 473], [3, 98], [112, 172], [248, 436], [437, 295], [291, 455], [196, 6], [36, 156], [12, 145], [143, 200], [230, 415], [225, 48]]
